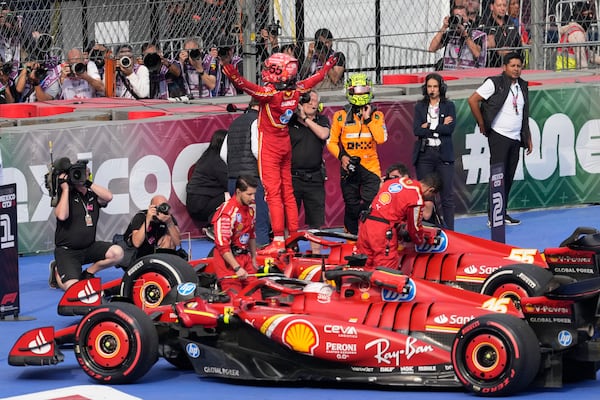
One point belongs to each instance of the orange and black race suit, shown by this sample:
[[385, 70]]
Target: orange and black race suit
[[274, 145], [351, 135]]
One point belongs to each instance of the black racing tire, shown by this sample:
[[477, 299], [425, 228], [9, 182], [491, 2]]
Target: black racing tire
[[517, 281], [496, 355], [116, 343], [151, 278]]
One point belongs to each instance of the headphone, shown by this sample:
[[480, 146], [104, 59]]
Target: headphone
[[440, 81]]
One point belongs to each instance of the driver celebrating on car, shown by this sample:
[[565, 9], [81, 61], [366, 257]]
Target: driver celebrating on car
[[398, 204], [235, 238]]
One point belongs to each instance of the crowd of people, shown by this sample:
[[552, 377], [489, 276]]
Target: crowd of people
[[476, 36]]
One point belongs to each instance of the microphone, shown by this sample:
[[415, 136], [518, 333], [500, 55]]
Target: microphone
[[62, 164]]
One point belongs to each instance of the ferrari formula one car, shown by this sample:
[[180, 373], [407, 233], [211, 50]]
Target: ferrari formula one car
[[376, 327]]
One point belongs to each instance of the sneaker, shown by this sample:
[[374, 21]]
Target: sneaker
[[209, 232], [508, 220], [86, 275], [52, 282], [276, 247]]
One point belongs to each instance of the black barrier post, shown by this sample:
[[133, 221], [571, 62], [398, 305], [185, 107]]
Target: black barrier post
[[9, 257], [497, 203]]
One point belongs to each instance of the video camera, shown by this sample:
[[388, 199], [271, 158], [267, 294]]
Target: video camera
[[6, 68], [76, 175]]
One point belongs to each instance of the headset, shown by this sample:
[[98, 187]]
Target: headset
[[440, 81]]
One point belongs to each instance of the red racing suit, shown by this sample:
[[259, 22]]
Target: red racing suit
[[274, 146], [234, 228], [398, 202]]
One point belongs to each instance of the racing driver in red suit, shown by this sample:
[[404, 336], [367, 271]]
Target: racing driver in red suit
[[235, 240], [397, 205], [278, 102]]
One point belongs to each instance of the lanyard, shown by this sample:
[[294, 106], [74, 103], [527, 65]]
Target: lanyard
[[515, 97]]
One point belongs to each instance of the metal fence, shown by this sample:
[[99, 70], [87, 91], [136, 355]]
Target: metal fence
[[377, 36]]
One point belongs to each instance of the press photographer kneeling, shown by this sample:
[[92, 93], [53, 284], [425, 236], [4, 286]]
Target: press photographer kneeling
[[77, 202]]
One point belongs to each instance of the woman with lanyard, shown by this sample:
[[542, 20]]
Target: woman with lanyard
[[433, 124]]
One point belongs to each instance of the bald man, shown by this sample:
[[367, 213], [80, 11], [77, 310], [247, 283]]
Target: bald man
[[79, 79], [154, 228]]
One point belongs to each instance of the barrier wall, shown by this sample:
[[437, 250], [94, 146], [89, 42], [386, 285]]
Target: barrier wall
[[142, 152]]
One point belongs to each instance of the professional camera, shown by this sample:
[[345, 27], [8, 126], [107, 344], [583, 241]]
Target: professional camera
[[321, 47], [76, 175], [78, 68], [163, 208], [97, 57], [126, 62], [454, 21], [353, 164], [6, 68], [195, 54], [40, 73], [274, 28], [153, 62]]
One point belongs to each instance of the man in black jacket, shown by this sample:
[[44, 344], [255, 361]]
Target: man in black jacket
[[504, 119]]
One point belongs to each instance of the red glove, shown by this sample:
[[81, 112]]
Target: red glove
[[230, 70], [331, 61]]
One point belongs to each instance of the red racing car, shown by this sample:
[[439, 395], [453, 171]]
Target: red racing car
[[377, 327]]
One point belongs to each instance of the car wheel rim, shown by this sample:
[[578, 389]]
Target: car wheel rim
[[513, 291], [108, 344], [486, 357], [150, 289]]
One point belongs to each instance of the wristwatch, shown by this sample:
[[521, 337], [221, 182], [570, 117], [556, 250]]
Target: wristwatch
[[236, 269]]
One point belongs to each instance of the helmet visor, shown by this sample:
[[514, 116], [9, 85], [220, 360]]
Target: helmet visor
[[359, 90]]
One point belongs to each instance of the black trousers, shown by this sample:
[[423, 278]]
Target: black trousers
[[507, 152], [359, 190]]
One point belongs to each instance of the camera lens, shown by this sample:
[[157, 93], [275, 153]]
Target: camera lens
[[78, 68], [125, 61], [195, 54]]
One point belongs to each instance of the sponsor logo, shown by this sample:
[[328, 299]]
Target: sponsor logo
[[362, 369], [40, 344], [426, 368], [570, 260], [192, 350], [342, 348], [185, 289], [341, 331], [222, 371], [324, 295], [288, 103], [453, 319], [550, 320], [546, 309], [438, 248], [286, 116], [87, 295], [385, 198], [407, 370], [481, 270], [528, 281], [386, 369], [383, 354], [301, 336], [408, 293], [244, 238], [565, 338], [574, 270], [395, 188], [7, 239]]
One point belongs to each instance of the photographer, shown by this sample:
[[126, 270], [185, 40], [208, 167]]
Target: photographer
[[77, 210], [224, 86], [8, 93], [356, 131], [38, 82], [79, 79], [465, 48], [319, 52], [133, 80], [269, 41], [10, 41], [166, 79], [199, 78], [154, 228]]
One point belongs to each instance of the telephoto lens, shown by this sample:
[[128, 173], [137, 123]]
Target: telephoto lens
[[78, 68], [195, 54]]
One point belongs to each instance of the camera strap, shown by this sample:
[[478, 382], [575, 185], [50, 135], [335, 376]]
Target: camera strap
[[128, 85]]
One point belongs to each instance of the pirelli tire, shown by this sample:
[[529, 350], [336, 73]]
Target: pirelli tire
[[496, 355], [116, 343], [151, 278], [517, 281]]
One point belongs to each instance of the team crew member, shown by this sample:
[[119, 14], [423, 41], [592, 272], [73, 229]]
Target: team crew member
[[398, 204], [278, 102], [235, 240], [355, 133]]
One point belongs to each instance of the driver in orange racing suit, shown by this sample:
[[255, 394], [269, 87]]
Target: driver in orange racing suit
[[278, 102], [356, 131], [398, 204]]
